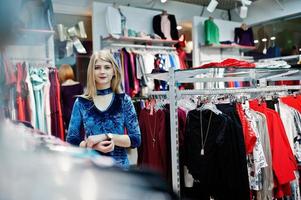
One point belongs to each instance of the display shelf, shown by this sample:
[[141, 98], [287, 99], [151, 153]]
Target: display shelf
[[27, 37], [229, 46], [137, 40], [37, 31], [238, 74]]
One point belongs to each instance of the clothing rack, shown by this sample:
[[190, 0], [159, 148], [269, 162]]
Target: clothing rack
[[174, 95]]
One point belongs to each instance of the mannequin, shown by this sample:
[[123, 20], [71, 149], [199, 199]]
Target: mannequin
[[244, 35], [165, 26]]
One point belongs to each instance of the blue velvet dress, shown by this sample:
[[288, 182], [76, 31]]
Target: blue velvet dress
[[119, 115]]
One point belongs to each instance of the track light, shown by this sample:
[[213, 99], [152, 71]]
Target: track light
[[246, 2], [243, 11], [212, 5]]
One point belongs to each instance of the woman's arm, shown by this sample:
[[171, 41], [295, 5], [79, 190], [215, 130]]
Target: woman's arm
[[73, 136], [131, 124]]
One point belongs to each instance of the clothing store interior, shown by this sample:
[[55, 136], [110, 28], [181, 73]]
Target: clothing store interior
[[150, 99]]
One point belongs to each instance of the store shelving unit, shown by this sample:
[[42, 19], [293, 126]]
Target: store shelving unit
[[135, 42], [229, 46]]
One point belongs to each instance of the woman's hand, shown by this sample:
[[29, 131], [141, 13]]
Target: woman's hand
[[92, 140], [83, 144], [105, 146]]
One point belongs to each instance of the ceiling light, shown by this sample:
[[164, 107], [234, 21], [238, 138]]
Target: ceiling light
[[256, 41], [179, 27], [212, 5], [243, 11], [300, 49], [163, 1], [264, 40], [273, 38]]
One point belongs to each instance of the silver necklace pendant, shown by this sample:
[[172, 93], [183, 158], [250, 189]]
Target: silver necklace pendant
[[202, 152]]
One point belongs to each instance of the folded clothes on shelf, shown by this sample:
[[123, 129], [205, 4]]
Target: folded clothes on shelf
[[272, 64]]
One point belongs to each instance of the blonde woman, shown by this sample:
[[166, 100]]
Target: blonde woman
[[105, 112]]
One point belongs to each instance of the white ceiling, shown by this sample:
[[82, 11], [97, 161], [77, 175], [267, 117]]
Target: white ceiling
[[84, 7]]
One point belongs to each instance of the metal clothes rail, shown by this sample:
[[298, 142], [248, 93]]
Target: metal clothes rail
[[174, 94]]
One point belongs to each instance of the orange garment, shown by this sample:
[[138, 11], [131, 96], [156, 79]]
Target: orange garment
[[22, 92], [60, 115]]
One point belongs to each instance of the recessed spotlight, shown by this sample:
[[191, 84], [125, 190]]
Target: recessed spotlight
[[256, 41], [273, 38], [264, 40], [163, 1]]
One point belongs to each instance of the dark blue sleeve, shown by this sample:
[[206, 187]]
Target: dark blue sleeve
[[74, 137], [131, 122]]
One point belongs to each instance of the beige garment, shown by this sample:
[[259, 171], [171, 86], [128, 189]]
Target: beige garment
[[268, 182]]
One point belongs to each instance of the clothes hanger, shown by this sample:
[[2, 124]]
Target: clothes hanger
[[210, 106]]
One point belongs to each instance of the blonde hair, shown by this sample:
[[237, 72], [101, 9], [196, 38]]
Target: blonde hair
[[102, 55], [65, 72]]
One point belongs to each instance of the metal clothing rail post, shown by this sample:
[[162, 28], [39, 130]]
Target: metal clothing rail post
[[175, 168]]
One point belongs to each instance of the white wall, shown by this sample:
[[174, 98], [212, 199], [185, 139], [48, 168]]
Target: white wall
[[141, 19], [265, 10], [226, 32], [137, 19]]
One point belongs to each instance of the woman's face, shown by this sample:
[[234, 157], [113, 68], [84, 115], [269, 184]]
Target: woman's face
[[103, 74]]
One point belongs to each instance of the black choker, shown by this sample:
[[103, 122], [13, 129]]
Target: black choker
[[104, 91]]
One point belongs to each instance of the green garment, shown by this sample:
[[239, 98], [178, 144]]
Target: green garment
[[211, 32], [39, 77]]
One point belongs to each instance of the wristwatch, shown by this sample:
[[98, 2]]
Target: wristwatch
[[109, 136]]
